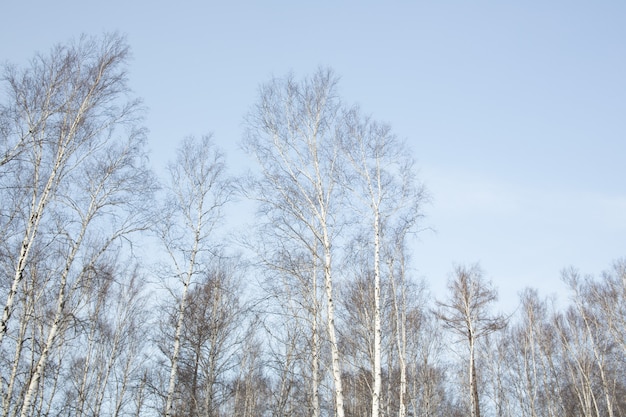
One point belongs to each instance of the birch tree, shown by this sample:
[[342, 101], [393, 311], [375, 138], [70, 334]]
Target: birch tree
[[197, 193], [586, 336], [105, 360], [60, 112], [531, 363], [292, 133], [82, 175], [466, 314], [398, 281], [388, 203], [292, 323], [211, 341]]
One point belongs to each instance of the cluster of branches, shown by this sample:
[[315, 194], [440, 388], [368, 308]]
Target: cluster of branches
[[323, 315]]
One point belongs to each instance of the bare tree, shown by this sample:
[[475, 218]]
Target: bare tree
[[388, 201], [106, 354], [63, 109], [198, 190], [399, 289], [81, 171], [292, 133], [530, 360], [211, 341], [292, 322], [250, 387], [292, 305], [466, 313], [586, 336]]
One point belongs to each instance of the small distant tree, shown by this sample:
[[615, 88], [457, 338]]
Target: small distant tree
[[531, 368], [585, 335], [466, 313]]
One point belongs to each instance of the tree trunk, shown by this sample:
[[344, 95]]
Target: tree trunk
[[177, 335], [334, 348], [315, 348], [377, 326], [475, 403]]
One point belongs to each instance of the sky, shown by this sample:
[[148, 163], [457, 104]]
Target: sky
[[515, 111]]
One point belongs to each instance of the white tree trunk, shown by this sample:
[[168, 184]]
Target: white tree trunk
[[475, 407], [36, 213], [315, 348], [52, 334], [377, 325], [334, 348], [399, 308], [179, 326]]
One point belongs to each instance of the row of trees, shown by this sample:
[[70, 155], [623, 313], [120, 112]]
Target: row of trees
[[313, 310]]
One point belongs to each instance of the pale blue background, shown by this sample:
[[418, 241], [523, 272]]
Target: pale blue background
[[515, 109]]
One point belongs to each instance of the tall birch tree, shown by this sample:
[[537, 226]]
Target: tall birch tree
[[387, 200], [292, 132], [198, 190], [61, 111], [80, 185]]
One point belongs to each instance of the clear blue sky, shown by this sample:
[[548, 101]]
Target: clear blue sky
[[516, 111]]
